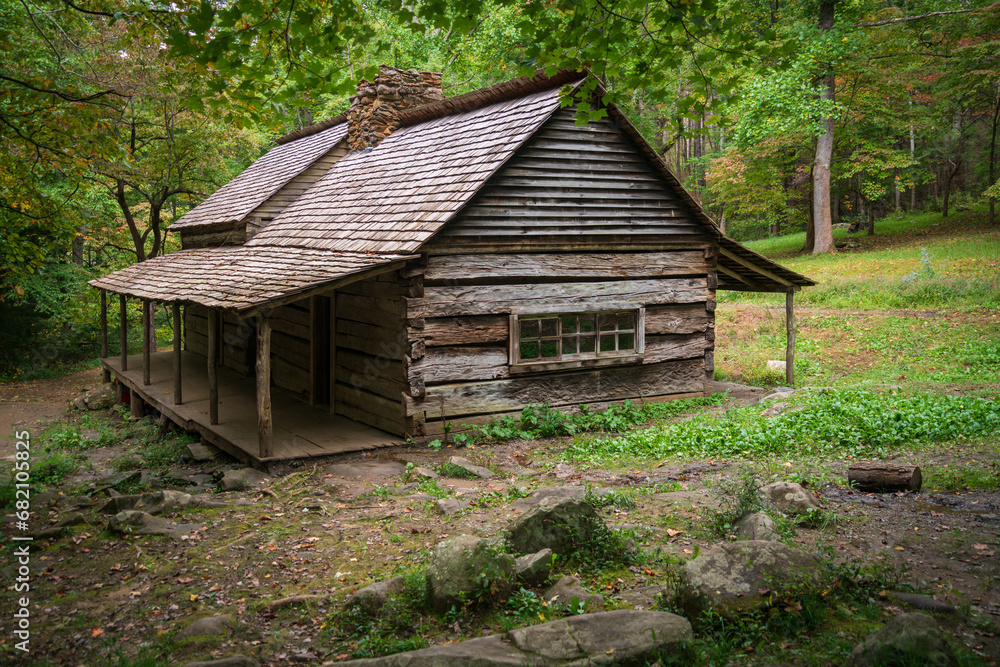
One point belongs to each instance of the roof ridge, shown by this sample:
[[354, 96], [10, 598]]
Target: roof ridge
[[315, 128], [499, 92]]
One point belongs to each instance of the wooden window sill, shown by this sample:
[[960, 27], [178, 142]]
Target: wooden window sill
[[571, 364]]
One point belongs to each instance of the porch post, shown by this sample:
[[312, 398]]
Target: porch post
[[105, 373], [314, 329], [175, 307], [790, 337], [145, 342], [333, 353], [265, 429], [123, 322], [213, 353]]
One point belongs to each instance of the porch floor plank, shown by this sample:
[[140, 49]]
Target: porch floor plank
[[300, 431]]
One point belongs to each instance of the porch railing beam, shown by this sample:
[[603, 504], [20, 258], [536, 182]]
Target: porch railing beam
[[175, 309], [213, 354], [123, 328], [265, 427], [145, 342]]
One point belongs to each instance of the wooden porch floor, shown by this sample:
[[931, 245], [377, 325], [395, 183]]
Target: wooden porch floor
[[300, 430]]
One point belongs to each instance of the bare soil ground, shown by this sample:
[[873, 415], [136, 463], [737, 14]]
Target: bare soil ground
[[101, 598]]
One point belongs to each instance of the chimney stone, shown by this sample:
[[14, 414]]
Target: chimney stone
[[375, 108]]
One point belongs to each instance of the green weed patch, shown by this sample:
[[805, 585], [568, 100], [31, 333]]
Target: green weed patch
[[833, 423]]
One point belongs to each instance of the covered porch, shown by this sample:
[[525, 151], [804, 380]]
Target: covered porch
[[225, 380], [298, 429]]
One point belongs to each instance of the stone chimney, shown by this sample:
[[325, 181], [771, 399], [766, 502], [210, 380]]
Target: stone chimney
[[375, 109]]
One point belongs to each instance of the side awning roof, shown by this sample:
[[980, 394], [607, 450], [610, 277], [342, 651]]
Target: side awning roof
[[242, 278], [743, 270]]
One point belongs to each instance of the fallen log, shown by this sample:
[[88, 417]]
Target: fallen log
[[883, 477]]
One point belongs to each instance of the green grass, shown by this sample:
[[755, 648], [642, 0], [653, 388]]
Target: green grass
[[833, 424], [961, 252]]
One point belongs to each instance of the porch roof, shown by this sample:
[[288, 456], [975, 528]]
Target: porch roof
[[244, 278]]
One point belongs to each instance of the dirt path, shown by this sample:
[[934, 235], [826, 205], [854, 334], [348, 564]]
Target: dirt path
[[33, 405]]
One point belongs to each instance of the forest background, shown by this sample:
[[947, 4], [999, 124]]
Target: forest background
[[118, 116]]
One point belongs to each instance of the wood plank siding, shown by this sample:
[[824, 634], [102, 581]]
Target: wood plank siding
[[371, 345], [579, 186]]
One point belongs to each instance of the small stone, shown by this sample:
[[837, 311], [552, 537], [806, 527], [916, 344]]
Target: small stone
[[101, 398], [908, 639], [419, 498], [204, 451], [49, 533], [424, 473], [449, 506], [926, 603], [371, 599], [538, 495], [791, 499], [567, 588], [231, 661], [240, 480], [755, 526], [533, 569], [211, 625], [70, 519], [118, 504], [776, 366], [456, 572], [777, 409], [560, 524], [471, 468]]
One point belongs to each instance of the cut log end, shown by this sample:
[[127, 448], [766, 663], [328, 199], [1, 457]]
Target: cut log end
[[884, 477]]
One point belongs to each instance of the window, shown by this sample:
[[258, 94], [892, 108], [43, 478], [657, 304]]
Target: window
[[586, 337]]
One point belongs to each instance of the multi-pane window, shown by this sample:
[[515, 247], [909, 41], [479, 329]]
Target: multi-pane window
[[576, 336]]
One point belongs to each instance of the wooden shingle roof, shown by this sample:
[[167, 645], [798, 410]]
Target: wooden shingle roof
[[392, 198], [241, 278], [240, 196]]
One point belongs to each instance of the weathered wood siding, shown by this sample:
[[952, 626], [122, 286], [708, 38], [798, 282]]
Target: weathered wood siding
[[293, 190], [214, 236], [236, 338], [290, 336], [459, 329], [574, 187], [371, 347]]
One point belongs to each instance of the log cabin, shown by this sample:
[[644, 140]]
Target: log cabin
[[421, 263]]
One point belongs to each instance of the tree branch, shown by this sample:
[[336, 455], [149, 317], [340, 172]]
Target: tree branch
[[905, 19]]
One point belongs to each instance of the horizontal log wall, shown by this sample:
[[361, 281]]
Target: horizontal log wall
[[459, 327], [213, 236], [571, 185], [290, 336], [371, 347]]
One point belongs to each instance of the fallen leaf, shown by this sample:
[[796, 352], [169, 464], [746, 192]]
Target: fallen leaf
[[193, 597], [184, 580], [673, 532], [981, 547], [96, 632]]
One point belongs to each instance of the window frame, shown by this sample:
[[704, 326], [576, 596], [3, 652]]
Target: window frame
[[517, 365]]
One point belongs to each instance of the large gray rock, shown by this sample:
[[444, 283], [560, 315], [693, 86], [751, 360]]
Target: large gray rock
[[231, 661], [372, 598], [209, 626], [533, 569], [467, 568], [621, 637], [101, 398], [168, 500], [791, 499], [908, 639], [449, 506], [118, 504], [560, 524], [566, 589], [538, 495], [240, 480], [736, 577], [469, 467], [755, 526], [134, 522]]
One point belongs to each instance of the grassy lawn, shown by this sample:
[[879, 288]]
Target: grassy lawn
[[916, 306]]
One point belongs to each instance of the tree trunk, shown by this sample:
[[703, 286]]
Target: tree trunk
[[884, 477], [993, 153], [956, 166], [811, 223], [822, 216]]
